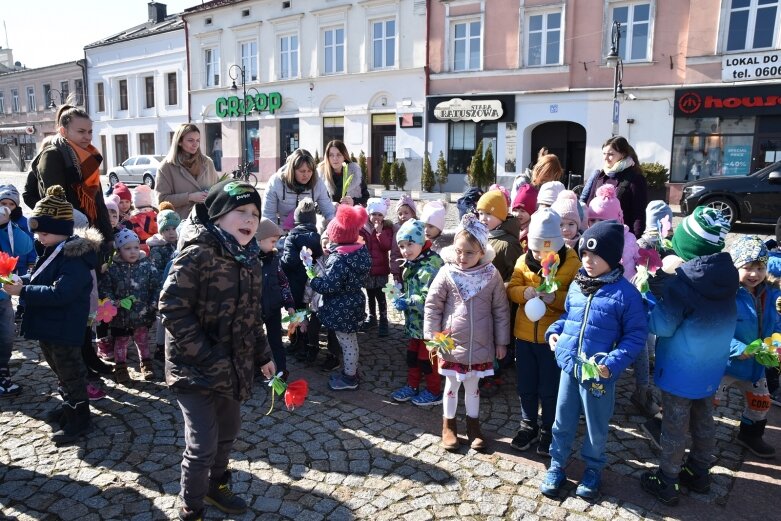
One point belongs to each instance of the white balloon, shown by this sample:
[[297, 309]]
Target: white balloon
[[534, 309]]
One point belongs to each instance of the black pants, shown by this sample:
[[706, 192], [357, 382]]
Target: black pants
[[67, 363], [314, 336], [273, 322], [377, 299]]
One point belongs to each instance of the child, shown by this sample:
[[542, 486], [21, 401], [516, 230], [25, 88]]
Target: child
[[379, 236], [112, 206], [694, 323], [9, 198], [421, 264], [467, 298], [433, 218], [314, 300], [405, 209], [524, 205], [605, 206], [276, 292], [131, 276], [162, 246], [757, 319], [537, 375], [548, 193], [568, 208], [125, 201], [503, 232], [214, 291], [144, 218], [57, 294], [604, 322], [656, 212], [345, 275]]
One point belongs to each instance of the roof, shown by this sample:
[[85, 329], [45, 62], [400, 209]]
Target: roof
[[206, 6], [170, 23]]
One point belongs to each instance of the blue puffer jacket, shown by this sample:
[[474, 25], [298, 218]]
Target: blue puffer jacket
[[694, 322], [612, 321], [341, 286], [299, 237], [751, 326], [28, 259], [23, 245]]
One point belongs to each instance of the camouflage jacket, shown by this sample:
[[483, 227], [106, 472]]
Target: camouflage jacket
[[418, 275], [211, 310], [140, 281]]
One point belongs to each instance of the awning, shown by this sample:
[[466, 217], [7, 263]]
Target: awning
[[29, 129]]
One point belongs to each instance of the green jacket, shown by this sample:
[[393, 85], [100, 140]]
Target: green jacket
[[417, 276], [505, 242]]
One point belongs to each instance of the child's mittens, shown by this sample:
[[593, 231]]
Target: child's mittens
[[400, 304], [529, 293], [547, 297]]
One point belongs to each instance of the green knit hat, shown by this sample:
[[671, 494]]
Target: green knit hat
[[701, 233]]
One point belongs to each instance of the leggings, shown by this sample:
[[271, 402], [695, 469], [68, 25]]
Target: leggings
[[471, 397], [349, 344]]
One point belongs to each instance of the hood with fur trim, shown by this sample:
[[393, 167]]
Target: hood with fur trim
[[85, 242], [448, 254]]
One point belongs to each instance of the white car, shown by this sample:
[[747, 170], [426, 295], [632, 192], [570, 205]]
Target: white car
[[136, 170]]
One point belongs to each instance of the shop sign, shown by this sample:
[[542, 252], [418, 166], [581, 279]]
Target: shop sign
[[458, 109], [752, 100], [751, 66], [235, 106]]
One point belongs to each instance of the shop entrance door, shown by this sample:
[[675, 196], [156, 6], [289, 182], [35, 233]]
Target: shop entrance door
[[288, 139], [383, 142], [567, 140]]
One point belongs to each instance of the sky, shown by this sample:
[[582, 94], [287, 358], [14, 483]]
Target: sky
[[47, 32]]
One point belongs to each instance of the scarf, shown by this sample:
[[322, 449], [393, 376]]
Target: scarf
[[619, 166], [248, 256], [590, 285], [472, 281], [191, 163], [86, 162]]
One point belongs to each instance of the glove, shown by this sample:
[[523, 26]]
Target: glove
[[400, 304], [311, 273]]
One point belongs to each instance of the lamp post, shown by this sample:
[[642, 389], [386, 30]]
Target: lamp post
[[613, 59], [234, 71], [53, 106]]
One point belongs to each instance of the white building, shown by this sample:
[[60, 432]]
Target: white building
[[314, 71], [137, 87]]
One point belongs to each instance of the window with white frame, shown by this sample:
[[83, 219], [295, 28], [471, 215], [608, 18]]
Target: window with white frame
[[543, 38], [211, 60], [383, 44], [249, 60], [288, 56], [173, 92], [15, 108], [31, 107], [101, 94], [636, 30], [753, 24], [466, 46], [333, 50]]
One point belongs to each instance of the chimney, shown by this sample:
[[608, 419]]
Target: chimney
[[157, 12]]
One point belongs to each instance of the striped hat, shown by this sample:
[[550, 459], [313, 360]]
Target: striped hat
[[701, 233], [53, 213]]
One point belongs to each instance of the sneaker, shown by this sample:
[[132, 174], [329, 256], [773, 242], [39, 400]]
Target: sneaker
[[404, 394], [95, 393], [369, 323], [653, 429], [661, 487], [185, 514], [527, 435], [553, 481], [588, 488], [331, 363], [694, 479], [222, 497], [426, 399], [546, 438], [7, 387], [343, 382], [775, 397]]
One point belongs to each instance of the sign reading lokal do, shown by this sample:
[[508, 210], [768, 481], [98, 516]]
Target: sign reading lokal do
[[751, 66], [458, 109]]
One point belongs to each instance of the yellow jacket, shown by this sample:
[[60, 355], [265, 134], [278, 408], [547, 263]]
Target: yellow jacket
[[523, 278]]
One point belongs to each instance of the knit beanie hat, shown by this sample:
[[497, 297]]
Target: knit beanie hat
[[655, 212], [412, 231], [53, 213], [407, 200], [568, 207], [493, 203], [606, 239], [471, 224], [747, 249], [377, 205], [142, 196], [345, 226], [701, 233], [526, 198], [305, 212], [502, 189], [545, 231], [122, 191], [549, 192], [80, 220], [228, 195], [125, 236], [167, 218], [605, 206], [434, 214], [268, 228], [9, 192], [111, 204]]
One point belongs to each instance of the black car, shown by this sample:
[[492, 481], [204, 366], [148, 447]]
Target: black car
[[754, 198]]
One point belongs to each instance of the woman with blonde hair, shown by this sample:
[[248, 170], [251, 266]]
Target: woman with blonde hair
[[341, 176], [186, 174]]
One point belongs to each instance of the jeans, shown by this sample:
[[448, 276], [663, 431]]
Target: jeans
[[7, 332], [537, 382]]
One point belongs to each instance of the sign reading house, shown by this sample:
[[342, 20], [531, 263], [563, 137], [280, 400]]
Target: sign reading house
[[471, 108], [754, 100]]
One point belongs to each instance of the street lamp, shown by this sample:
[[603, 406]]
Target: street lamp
[[613, 59], [53, 106], [234, 72]]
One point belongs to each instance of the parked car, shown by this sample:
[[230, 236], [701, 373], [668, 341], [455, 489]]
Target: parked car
[[136, 170], [754, 198]]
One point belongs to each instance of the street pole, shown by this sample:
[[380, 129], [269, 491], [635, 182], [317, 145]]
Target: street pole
[[614, 60], [244, 165]]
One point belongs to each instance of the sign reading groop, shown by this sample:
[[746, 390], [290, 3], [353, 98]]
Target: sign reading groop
[[458, 109], [235, 106]]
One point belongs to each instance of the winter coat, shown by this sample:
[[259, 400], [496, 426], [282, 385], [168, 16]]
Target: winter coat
[[279, 200], [757, 318], [612, 320], [504, 241], [335, 190], [276, 288], [444, 239], [23, 245], [632, 193], [140, 280], [211, 309], [523, 277], [160, 252], [694, 323], [303, 235], [144, 224], [417, 276], [346, 269], [31, 256], [174, 183], [383, 249], [629, 254], [57, 300], [476, 325]]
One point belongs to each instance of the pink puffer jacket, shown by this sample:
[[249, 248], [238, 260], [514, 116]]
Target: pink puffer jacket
[[383, 249]]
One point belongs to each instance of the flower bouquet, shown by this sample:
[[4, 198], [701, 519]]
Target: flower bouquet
[[7, 267], [765, 352], [307, 258], [106, 311], [294, 320], [648, 261], [535, 308], [346, 180], [295, 392], [392, 292], [441, 344]]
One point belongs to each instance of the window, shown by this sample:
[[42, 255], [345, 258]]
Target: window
[[288, 57], [543, 39], [120, 148], [173, 93], [635, 22], [31, 106], [146, 146], [212, 67], [384, 44], [249, 60], [122, 94], [2, 103], [47, 94], [752, 24], [333, 50], [78, 87], [149, 89], [64, 91], [15, 108], [466, 46], [101, 97]]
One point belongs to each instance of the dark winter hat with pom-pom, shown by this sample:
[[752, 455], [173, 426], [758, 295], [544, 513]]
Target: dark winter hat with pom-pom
[[344, 228], [305, 212], [53, 213]]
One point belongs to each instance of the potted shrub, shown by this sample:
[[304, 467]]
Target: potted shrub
[[656, 176]]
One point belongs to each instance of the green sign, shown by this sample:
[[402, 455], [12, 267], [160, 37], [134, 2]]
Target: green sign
[[235, 106]]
